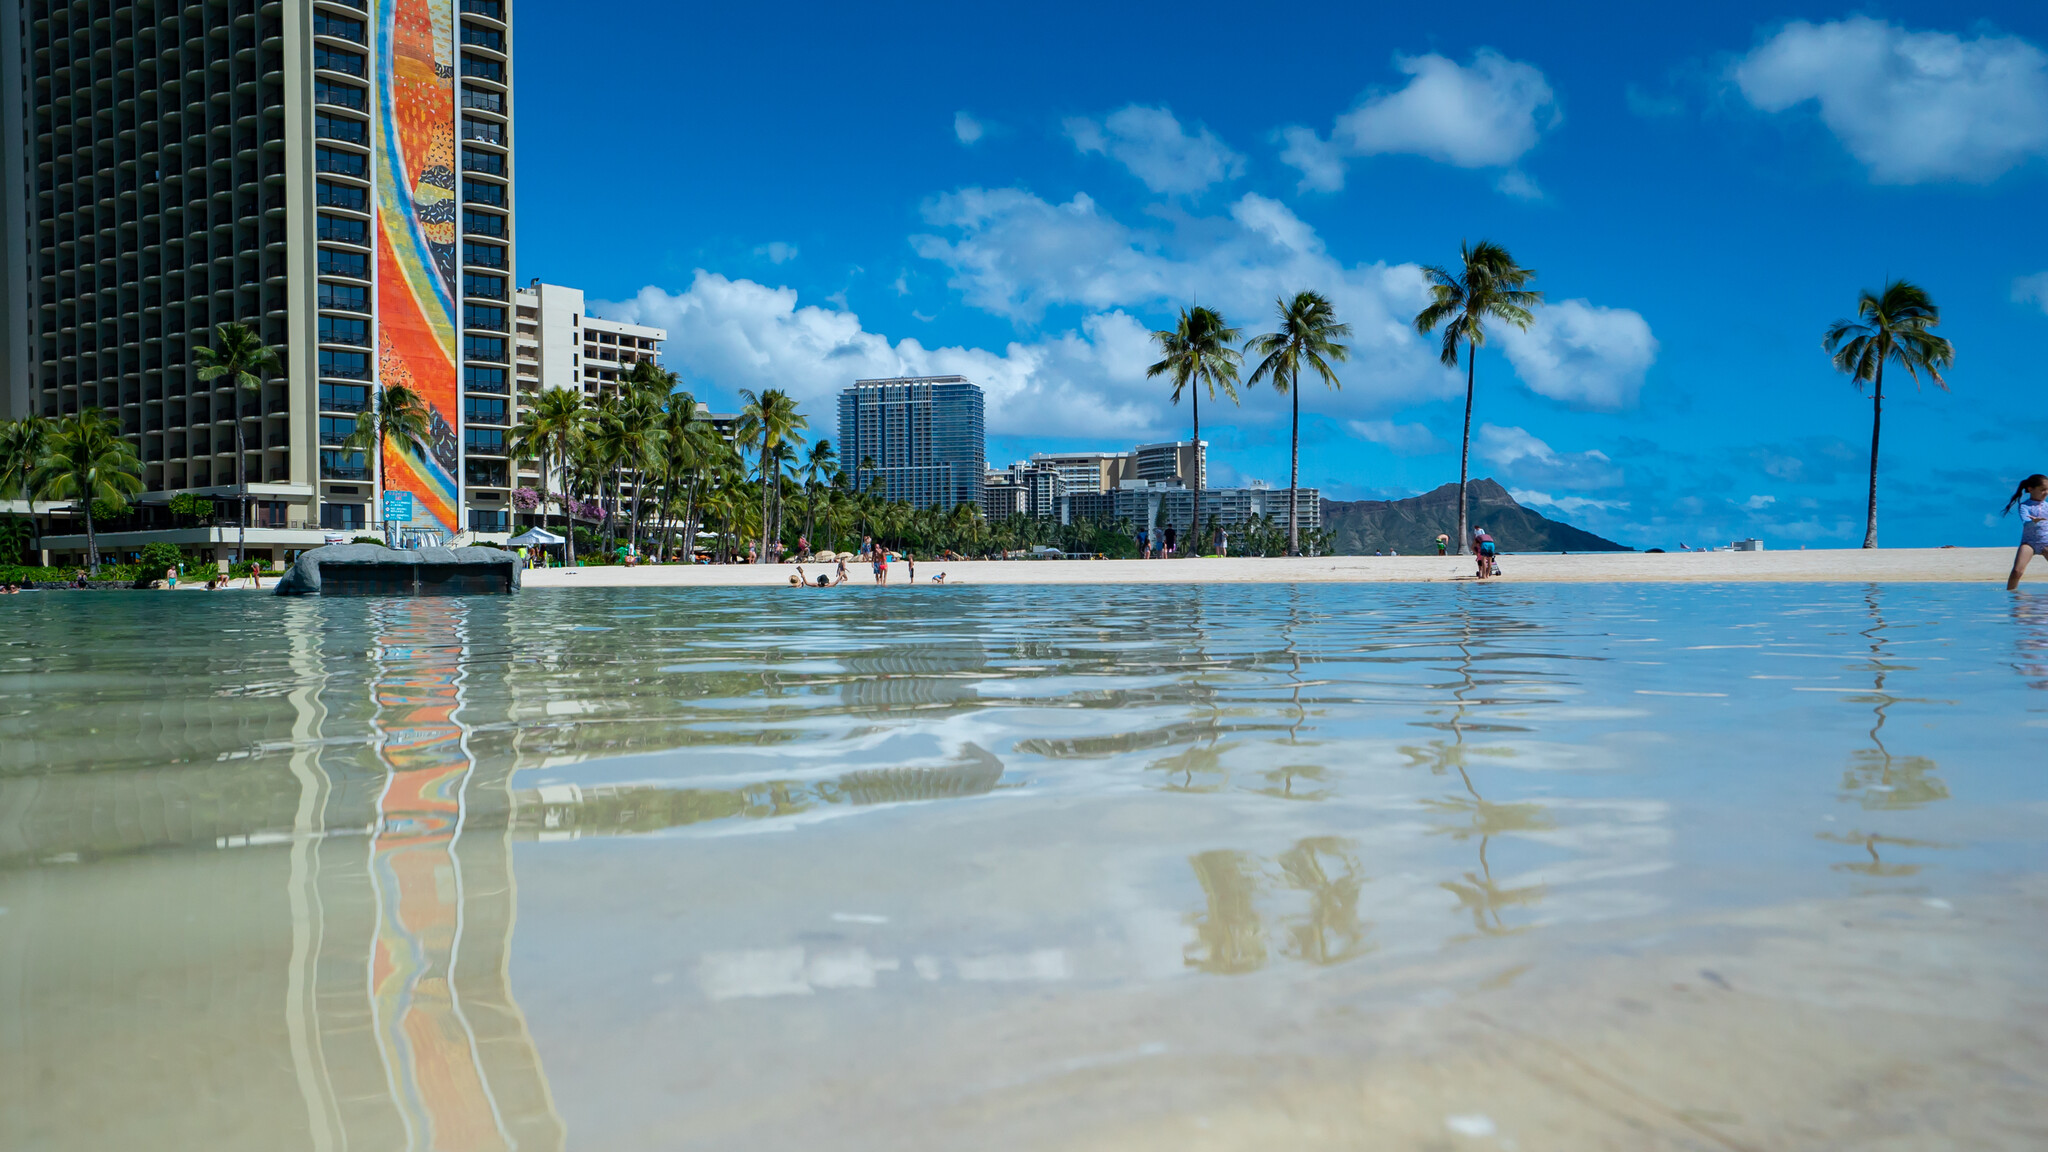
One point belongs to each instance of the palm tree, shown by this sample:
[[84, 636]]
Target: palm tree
[[1308, 335], [243, 358], [1197, 354], [395, 413], [87, 460], [548, 432], [23, 444], [766, 423], [1488, 284], [1894, 325], [821, 466]]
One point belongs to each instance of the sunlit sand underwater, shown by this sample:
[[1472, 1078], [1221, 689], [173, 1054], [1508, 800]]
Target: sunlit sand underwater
[[1234, 866]]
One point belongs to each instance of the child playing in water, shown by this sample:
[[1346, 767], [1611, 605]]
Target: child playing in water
[[2031, 498]]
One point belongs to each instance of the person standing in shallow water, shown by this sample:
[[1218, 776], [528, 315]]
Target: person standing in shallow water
[[2031, 498]]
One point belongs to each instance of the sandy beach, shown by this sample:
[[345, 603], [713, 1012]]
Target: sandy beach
[[1885, 565]]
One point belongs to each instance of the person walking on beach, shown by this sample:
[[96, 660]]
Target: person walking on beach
[[1485, 550], [881, 565], [2031, 498], [910, 566], [842, 571], [1142, 554], [1171, 540]]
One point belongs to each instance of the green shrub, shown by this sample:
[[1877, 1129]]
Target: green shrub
[[158, 555], [368, 540]]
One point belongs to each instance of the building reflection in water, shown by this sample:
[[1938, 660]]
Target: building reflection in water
[[303, 947], [1230, 932]]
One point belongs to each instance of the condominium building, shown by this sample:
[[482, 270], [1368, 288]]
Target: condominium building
[[921, 438], [1089, 471], [1182, 462], [1026, 488], [336, 175], [1147, 504]]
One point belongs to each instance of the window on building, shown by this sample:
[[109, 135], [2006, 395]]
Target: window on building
[[335, 430], [344, 297], [332, 195], [343, 517], [343, 228], [344, 95], [479, 379], [340, 163], [344, 330], [488, 101], [481, 410], [337, 60], [478, 68], [483, 348], [487, 440], [483, 316], [489, 520], [485, 473], [482, 223], [484, 192], [478, 284], [340, 128], [489, 163], [487, 255], [338, 465], [328, 24], [483, 37], [488, 131], [494, 9], [344, 397], [334, 262], [347, 365]]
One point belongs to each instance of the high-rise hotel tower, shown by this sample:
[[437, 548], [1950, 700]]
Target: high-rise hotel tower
[[336, 174]]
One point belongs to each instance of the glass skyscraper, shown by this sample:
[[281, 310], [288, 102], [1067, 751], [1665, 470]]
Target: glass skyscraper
[[920, 437], [336, 174]]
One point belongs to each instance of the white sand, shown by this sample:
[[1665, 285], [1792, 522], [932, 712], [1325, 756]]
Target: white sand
[[1889, 565]]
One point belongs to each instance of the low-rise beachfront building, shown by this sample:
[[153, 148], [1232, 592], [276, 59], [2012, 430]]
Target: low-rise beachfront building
[[920, 438], [1146, 504]]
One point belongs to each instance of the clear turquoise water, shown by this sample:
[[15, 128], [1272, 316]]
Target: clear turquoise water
[[883, 868]]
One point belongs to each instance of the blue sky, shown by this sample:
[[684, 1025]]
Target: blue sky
[[807, 194]]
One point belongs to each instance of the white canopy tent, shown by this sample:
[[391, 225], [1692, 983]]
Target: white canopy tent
[[534, 538]]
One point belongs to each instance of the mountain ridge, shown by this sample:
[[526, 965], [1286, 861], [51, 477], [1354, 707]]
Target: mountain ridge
[[1411, 525]]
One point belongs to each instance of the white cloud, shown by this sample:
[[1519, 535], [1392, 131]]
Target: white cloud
[[1154, 146], [966, 128], [1016, 255], [777, 252], [1320, 163], [1402, 439], [1514, 182], [1569, 505], [740, 334], [1759, 503], [2032, 289], [1527, 458], [1913, 107], [1485, 115], [1582, 354]]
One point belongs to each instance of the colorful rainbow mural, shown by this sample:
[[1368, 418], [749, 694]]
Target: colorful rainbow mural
[[418, 336]]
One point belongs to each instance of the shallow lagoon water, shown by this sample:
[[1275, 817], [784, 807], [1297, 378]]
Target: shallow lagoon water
[[1206, 867]]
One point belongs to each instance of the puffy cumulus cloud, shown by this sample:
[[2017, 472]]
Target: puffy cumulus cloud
[[1485, 115], [2032, 290], [741, 334], [1569, 505], [1011, 253], [1152, 143], [1582, 354], [966, 128], [1320, 163], [1913, 107], [1402, 439], [1525, 458]]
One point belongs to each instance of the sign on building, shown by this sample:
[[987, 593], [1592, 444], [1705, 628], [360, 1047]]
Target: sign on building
[[398, 507]]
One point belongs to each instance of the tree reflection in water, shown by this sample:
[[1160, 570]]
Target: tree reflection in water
[[1878, 779], [1230, 933]]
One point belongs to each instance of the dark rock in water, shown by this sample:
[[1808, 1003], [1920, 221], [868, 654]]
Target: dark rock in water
[[374, 570], [1410, 526]]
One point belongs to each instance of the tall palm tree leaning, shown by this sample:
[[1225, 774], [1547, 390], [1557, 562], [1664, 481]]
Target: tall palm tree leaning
[[548, 433], [1894, 325], [396, 413], [1196, 353], [767, 422], [1308, 335], [1488, 284], [88, 460], [821, 467], [244, 360], [23, 444]]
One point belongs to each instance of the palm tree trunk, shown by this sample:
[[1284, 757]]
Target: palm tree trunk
[[1195, 528], [764, 498], [1294, 473], [1465, 451], [92, 545], [1876, 419], [242, 482]]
